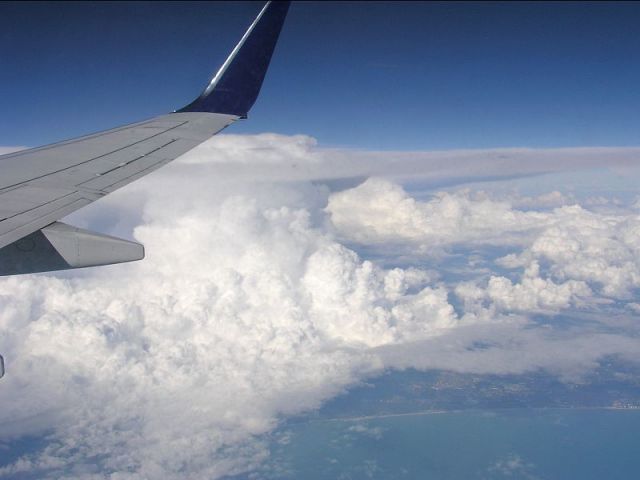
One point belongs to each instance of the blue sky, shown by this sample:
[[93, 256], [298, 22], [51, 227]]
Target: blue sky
[[411, 76]]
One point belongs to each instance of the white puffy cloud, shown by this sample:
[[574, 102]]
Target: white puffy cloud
[[251, 307], [357, 302], [579, 245], [531, 294], [379, 211], [598, 248]]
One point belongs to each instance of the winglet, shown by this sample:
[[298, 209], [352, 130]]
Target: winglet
[[235, 87]]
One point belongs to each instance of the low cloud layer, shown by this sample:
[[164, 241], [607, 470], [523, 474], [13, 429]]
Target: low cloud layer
[[268, 289]]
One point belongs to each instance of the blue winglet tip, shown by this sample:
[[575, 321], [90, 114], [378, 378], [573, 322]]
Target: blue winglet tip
[[235, 87]]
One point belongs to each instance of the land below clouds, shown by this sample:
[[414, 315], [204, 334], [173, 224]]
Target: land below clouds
[[614, 385]]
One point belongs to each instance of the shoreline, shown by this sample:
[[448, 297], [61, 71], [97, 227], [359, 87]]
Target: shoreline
[[488, 410]]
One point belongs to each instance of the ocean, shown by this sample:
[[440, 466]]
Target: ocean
[[563, 444]]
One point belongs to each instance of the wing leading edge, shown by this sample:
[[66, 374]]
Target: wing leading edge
[[40, 186]]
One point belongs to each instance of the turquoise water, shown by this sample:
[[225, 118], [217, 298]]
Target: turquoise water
[[514, 444]]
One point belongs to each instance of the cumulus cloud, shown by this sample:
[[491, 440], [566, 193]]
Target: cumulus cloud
[[578, 246], [259, 299], [380, 211], [531, 294]]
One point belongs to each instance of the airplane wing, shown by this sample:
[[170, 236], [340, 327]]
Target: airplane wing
[[39, 186]]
